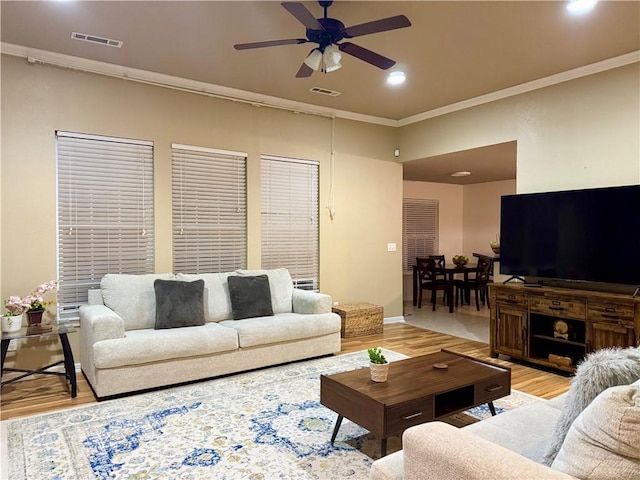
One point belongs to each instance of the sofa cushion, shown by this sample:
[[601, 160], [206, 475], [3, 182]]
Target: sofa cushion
[[179, 304], [284, 327], [599, 370], [508, 428], [216, 294], [132, 297], [604, 441], [148, 345], [250, 296], [281, 287]]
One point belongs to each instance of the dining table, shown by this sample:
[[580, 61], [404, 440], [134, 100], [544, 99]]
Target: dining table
[[450, 271]]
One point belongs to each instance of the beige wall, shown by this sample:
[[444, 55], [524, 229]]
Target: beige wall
[[578, 134], [481, 214], [38, 100]]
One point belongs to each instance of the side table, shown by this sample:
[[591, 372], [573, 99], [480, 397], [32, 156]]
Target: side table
[[43, 331]]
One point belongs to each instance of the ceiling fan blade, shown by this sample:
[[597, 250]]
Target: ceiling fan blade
[[270, 43], [391, 23], [305, 71], [368, 56], [303, 15]]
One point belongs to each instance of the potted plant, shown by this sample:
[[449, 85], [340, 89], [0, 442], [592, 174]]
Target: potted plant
[[36, 302], [12, 320], [378, 365]]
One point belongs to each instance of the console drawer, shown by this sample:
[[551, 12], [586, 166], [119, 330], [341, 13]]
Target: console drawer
[[492, 389], [611, 312], [559, 307], [513, 299]]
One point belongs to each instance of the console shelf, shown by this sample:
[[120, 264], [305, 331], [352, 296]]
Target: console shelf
[[557, 327]]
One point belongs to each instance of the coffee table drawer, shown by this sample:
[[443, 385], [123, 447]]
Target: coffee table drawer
[[492, 389], [415, 413]]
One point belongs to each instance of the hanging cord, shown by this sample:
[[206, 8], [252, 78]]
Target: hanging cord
[[330, 205]]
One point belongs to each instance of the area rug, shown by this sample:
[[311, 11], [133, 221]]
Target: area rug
[[265, 424]]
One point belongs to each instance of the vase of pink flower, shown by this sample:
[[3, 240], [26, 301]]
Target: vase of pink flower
[[33, 305], [36, 303], [12, 320]]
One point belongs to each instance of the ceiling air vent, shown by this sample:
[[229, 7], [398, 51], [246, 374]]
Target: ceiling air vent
[[95, 39], [324, 91]]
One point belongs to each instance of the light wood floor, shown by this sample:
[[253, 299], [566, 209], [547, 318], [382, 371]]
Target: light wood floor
[[42, 394]]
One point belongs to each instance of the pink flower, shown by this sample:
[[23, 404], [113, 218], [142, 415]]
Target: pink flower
[[34, 301]]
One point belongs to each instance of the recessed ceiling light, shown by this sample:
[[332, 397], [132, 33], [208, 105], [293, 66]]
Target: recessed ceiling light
[[581, 6], [460, 174], [396, 78]]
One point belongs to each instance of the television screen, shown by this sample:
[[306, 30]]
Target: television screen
[[587, 235]]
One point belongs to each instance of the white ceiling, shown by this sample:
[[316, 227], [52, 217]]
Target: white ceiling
[[454, 51]]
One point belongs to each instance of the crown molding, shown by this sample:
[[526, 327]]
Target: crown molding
[[256, 99], [584, 71], [45, 57]]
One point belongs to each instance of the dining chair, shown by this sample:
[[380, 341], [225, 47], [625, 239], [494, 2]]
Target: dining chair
[[428, 279], [479, 284], [440, 263]]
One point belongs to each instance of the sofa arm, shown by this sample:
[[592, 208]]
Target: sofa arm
[[305, 301], [439, 451], [98, 322]]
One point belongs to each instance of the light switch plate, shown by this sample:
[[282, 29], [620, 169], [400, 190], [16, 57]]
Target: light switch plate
[[13, 345], [391, 247]]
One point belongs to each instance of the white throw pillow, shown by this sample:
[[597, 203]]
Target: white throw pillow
[[604, 441], [608, 367]]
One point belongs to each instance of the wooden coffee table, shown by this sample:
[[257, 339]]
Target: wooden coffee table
[[414, 393]]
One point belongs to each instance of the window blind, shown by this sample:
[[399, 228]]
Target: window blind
[[105, 213], [209, 209], [290, 232], [419, 230]]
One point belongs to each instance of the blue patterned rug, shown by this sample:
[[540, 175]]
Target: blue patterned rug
[[266, 424]]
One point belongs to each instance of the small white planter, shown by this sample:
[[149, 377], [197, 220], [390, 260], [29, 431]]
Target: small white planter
[[379, 371], [12, 323]]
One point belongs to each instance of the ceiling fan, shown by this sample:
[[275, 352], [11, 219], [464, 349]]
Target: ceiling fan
[[327, 32]]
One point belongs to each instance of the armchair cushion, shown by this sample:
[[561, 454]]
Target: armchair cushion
[[250, 296], [604, 441], [179, 304]]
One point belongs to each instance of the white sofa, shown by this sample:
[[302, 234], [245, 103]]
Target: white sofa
[[121, 352], [510, 445], [592, 432]]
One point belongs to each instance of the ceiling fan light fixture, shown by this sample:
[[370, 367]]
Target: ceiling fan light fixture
[[331, 58], [396, 78], [314, 59]]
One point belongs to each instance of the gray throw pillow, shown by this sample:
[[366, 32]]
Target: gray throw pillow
[[250, 296], [599, 370], [179, 304]]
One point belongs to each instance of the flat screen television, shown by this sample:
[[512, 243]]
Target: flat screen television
[[588, 235]]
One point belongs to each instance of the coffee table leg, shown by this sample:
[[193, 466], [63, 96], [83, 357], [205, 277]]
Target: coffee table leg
[[336, 428], [492, 409], [383, 447]]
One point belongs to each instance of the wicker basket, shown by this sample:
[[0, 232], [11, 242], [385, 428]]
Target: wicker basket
[[360, 319]]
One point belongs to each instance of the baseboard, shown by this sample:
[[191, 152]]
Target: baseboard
[[399, 319]]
